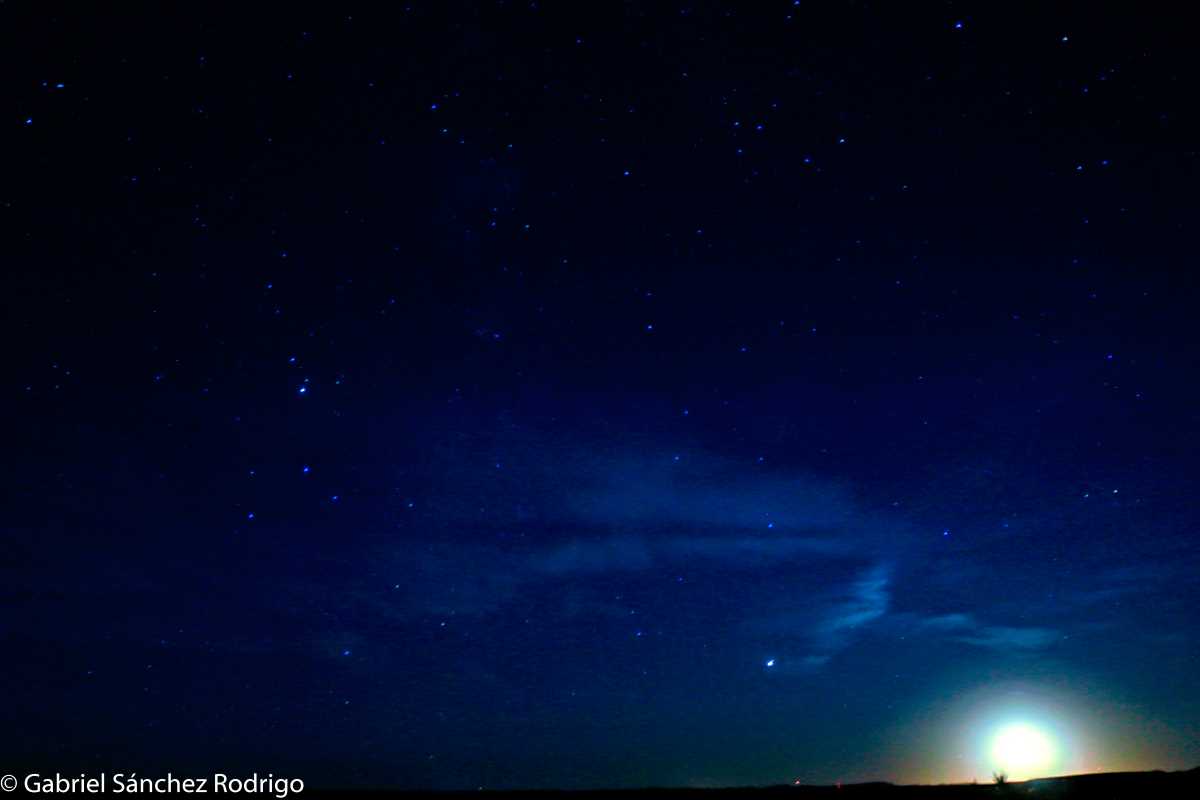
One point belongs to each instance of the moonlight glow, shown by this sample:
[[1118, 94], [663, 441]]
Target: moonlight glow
[[1021, 751], [1023, 730]]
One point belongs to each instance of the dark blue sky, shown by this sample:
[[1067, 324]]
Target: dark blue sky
[[535, 395]]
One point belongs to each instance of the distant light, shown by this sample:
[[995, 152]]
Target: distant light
[[770, 662], [250, 515], [1023, 751]]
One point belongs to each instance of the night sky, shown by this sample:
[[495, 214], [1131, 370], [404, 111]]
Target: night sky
[[548, 394]]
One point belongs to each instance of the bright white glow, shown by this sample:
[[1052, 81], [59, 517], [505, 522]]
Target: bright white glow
[[1021, 751]]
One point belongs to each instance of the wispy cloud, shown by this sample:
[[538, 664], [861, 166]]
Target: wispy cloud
[[966, 629], [828, 622], [999, 637], [829, 570], [630, 553], [866, 601], [581, 556], [701, 491], [626, 514]]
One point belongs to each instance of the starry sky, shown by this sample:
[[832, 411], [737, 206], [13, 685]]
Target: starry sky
[[545, 394]]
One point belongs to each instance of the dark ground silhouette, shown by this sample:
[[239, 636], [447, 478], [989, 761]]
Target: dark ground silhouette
[[1109, 786]]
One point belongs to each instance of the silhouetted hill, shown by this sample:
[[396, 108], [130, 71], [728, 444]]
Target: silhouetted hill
[[1102, 786]]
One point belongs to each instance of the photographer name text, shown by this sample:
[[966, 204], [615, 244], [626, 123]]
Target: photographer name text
[[133, 783]]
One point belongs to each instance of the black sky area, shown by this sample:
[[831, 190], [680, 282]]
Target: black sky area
[[443, 395]]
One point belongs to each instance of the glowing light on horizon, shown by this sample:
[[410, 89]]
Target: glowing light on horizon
[[1021, 751], [1025, 731]]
